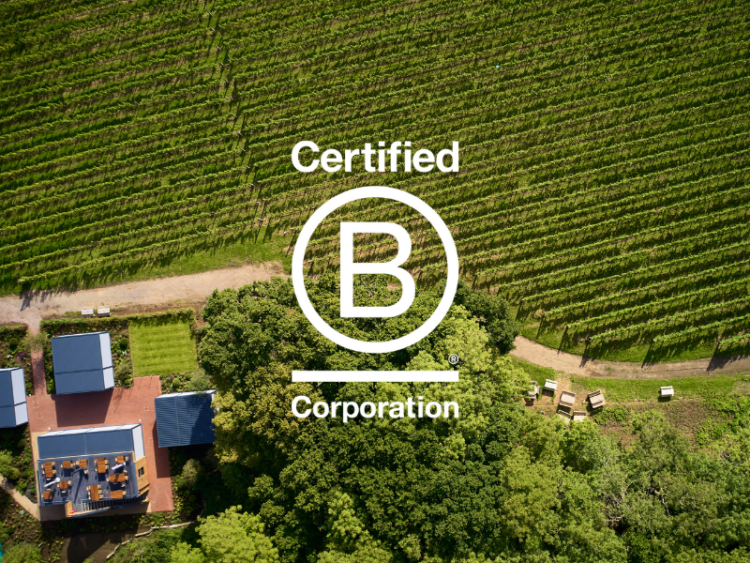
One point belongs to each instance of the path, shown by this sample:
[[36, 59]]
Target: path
[[31, 306], [541, 355], [30, 507]]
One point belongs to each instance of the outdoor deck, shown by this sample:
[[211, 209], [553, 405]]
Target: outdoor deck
[[81, 479]]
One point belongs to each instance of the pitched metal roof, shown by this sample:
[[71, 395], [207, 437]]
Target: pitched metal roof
[[6, 389], [184, 419], [86, 441], [12, 398], [7, 417], [82, 362]]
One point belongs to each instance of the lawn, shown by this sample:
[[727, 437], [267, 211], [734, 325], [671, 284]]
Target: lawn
[[684, 387], [162, 348]]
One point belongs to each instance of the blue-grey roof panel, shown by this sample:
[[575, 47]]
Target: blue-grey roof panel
[[79, 382], [167, 429], [113, 439], [109, 442], [6, 389], [77, 352], [184, 419], [8, 417], [62, 445], [195, 415]]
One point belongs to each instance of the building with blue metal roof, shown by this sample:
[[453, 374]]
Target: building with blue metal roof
[[13, 410], [184, 419], [83, 363], [91, 470]]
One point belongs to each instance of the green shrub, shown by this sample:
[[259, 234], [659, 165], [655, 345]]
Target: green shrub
[[615, 413], [191, 474], [23, 553], [5, 533], [6, 466], [198, 381], [13, 343], [124, 343]]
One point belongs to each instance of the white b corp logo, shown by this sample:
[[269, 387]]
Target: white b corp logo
[[349, 268]]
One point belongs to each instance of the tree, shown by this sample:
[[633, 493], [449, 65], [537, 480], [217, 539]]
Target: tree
[[183, 553], [493, 314], [233, 537], [499, 483]]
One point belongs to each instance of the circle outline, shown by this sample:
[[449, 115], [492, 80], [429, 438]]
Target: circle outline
[[332, 205]]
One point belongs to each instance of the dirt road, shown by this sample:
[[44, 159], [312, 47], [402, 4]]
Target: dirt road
[[541, 355], [31, 307]]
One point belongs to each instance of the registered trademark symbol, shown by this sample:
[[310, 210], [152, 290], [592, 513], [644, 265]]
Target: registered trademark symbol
[[453, 359]]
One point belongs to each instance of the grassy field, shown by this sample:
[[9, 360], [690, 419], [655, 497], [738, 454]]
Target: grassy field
[[623, 390], [605, 154], [162, 348]]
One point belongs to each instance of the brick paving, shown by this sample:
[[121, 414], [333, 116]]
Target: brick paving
[[109, 408]]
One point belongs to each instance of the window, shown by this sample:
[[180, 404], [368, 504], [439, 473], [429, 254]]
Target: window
[[141, 471]]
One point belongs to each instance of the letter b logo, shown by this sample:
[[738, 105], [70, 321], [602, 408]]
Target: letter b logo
[[349, 269]]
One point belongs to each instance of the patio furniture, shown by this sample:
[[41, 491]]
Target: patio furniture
[[596, 399], [564, 415], [120, 459], [49, 470], [533, 390], [47, 495], [579, 416], [567, 399], [65, 485], [89, 312], [550, 385], [95, 492], [101, 465], [103, 311], [67, 464], [116, 494], [113, 478], [122, 477], [666, 391], [82, 463]]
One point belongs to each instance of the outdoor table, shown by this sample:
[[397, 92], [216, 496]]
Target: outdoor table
[[47, 495], [64, 485], [83, 463], [120, 459], [94, 490], [67, 464], [122, 477], [116, 494]]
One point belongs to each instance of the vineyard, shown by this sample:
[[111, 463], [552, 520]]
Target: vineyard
[[605, 154]]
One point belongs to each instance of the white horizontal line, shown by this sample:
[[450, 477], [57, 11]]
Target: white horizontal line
[[374, 376]]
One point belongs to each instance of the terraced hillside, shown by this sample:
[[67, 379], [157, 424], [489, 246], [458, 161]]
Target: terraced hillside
[[604, 147]]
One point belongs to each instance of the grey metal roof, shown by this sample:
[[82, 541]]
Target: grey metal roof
[[12, 397], [7, 417], [80, 362], [86, 441], [6, 389], [184, 419], [79, 382]]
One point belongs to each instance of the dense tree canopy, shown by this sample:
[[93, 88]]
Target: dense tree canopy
[[499, 483]]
